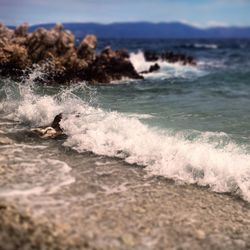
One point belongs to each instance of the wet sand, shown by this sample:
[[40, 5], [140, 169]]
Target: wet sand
[[113, 205], [149, 214]]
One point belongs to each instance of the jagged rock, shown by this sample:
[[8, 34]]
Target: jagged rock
[[171, 57], [151, 56], [14, 57], [86, 48], [36, 46], [152, 68], [5, 33], [52, 131], [55, 51], [43, 44], [56, 122], [58, 27], [90, 41], [108, 53], [20, 40], [50, 38], [66, 42], [123, 53], [22, 30], [112, 65]]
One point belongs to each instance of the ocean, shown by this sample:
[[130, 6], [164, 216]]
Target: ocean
[[188, 124]]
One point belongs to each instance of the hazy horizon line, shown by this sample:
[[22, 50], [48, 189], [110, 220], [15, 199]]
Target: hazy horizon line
[[141, 21]]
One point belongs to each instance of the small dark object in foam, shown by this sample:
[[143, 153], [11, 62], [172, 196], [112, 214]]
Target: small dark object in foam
[[152, 68], [52, 131], [56, 122]]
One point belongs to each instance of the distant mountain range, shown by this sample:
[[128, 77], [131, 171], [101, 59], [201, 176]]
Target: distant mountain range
[[151, 30]]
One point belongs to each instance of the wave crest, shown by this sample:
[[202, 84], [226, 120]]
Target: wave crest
[[224, 167], [167, 70]]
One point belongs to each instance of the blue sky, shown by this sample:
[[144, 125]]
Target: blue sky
[[201, 13]]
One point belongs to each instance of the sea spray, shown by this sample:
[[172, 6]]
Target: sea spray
[[167, 70], [112, 134], [224, 167]]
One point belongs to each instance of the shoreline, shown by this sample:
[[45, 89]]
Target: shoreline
[[145, 213], [113, 205]]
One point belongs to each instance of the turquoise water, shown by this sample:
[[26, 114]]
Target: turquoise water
[[214, 96], [187, 123]]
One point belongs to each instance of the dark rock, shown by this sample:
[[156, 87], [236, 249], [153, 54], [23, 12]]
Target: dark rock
[[13, 57], [5, 33], [151, 56], [152, 68], [22, 30], [56, 122], [170, 56], [55, 52], [86, 48], [66, 42], [123, 53], [112, 65], [58, 27], [52, 131], [42, 43], [108, 53]]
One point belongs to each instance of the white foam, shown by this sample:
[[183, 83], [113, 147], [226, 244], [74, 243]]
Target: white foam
[[223, 167], [167, 70], [32, 176], [140, 116], [99, 163], [206, 46], [27, 192], [214, 64]]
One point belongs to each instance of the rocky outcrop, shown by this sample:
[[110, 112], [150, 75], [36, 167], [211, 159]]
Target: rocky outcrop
[[112, 65], [171, 57], [13, 58], [60, 58], [22, 30], [61, 61], [5, 34], [86, 48]]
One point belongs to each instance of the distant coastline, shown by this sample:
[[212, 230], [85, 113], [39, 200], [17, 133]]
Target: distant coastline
[[150, 30]]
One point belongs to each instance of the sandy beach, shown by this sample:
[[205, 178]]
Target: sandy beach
[[112, 205]]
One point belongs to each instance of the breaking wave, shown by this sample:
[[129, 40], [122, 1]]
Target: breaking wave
[[167, 70], [210, 159]]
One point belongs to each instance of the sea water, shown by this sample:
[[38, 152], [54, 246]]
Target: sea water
[[190, 124]]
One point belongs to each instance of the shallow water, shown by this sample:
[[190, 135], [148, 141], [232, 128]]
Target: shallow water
[[186, 123]]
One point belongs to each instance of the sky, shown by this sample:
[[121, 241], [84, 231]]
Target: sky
[[200, 13]]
